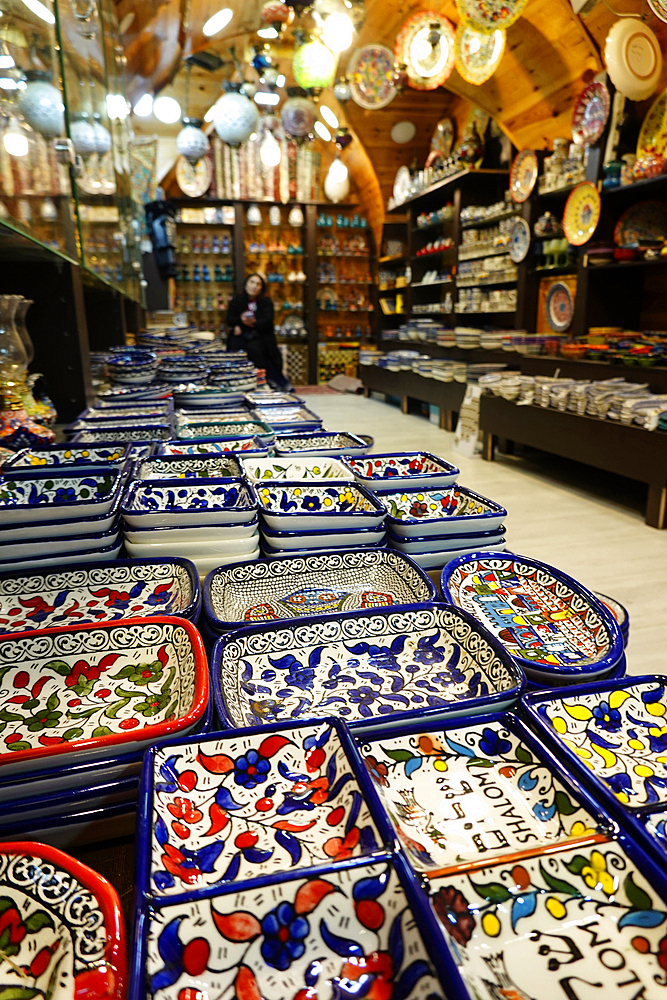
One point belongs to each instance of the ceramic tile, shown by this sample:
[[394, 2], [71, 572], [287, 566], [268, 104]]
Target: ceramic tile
[[346, 933], [364, 668], [240, 807]]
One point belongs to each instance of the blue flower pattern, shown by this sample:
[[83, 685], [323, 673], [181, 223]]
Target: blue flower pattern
[[284, 934]]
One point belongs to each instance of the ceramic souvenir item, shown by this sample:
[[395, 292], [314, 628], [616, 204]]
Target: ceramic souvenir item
[[414, 544], [100, 688], [144, 433], [568, 920], [442, 139], [97, 593], [300, 541], [633, 58], [201, 429], [370, 72], [519, 244], [332, 583], [402, 184], [64, 927], [425, 44], [175, 467], [659, 8], [477, 53], [296, 469], [113, 454], [618, 612], [450, 510], [551, 624], [286, 506], [582, 213], [647, 220], [323, 444], [559, 307], [205, 502], [363, 667], [194, 179], [466, 794], [410, 469], [653, 134], [590, 114], [40, 495], [489, 15], [214, 446], [523, 175]]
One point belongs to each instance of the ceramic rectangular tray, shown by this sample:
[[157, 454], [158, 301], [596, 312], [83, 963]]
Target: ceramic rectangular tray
[[227, 549], [437, 560], [318, 548], [272, 398], [208, 501], [215, 446], [118, 423], [202, 429], [368, 668], [443, 543], [198, 533], [58, 545], [284, 418], [321, 443], [66, 455], [84, 692], [407, 469], [295, 587], [95, 593], [31, 495], [289, 506], [449, 510], [64, 558], [322, 538], [295, 470], [192, 467], [137, 410], [67, 526], [138, 432], [221, 416]]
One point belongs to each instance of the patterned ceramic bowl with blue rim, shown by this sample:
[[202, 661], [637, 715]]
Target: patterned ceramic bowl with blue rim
[[177, 502], [322, 537], [118, 423], [294, 469], [617, 671], [65, 558], [214, 446], [332, 444], [449, 510], [127, 396], [202, 429], [286, 418], [206, 396], [551, 624], [29, 495], [226, 467], [29, 809], [65, 455], [294, 506], [442, 543], [277, 552], [93, 524], [367, 667], [137, 432], [619, 612], [197, 532], [224, 549], [389, 470], [269, 398], [47, 545]]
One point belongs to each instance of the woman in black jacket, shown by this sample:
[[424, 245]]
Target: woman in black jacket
[[250, 329]]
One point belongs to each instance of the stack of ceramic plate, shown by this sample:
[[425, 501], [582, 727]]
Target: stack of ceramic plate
[[214, 446], [210, 521], [467, 337], [433, 525], [224, 467], [59, 516], [288, 418], [271, 398], [116, 421], [119, 395], [556, 630], [331, 444], [132, 367], [60, 455], [201, 427], [193, 397], [405, 469], [315, 516]]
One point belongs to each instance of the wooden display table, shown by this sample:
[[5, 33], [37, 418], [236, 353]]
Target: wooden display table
[[625, 450], [407, 385]]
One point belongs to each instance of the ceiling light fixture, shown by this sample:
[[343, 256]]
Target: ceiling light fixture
[[14, 141], [269, 151], [329, 116], [117, 107], [217, 22], [40, 10], [268, 33], [281, 81], [144, 106], [323, 131], [167, 110], [338, 32], [263, 98]]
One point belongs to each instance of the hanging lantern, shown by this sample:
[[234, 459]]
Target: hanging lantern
[[275, 13], [102, 135], [314, 66], [262, 59], [342, 138], [342, 90], [248, 89], [191, 142], [41, 104], [337, 182], [235, 118], [298, 113], [82, 134]]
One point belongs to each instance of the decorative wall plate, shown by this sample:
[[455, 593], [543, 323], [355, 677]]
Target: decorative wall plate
[[428, 66], [313, 667], [633, 58], [449, 510], [659, 8], [523, 175], [646, 220], [442, 139], [99, 689], [205, 502], [477, 54], [175, 467], [407, 469], [287, 506], [590, 114], [64, 927], [476, 762], [582, 213], [550, 624], [519, 244], [370, 73], [653, 134], [332, 583], [296, 469], [559, 307], [217, 446], [194, 181], [488, 15], [402, 183]]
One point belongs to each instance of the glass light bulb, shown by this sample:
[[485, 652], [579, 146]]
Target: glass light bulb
[[329, 116], [167, 110], [323, 131], [217, 22], [144, 106], [15, 143], [338, 171], [338, 32], [269, 151]]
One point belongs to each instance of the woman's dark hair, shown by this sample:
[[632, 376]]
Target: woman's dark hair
[[255, 275]]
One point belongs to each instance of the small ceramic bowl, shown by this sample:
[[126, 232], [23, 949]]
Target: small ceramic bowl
[[196, 430], [294, 470], [321, 538], [181, 503], [405, 469], [138, 432], [444, 543], [63, 455], [215, 446], [64, 559], [450, 510], [330, 444], [197, 532], [67, 527], [126, 395], [224, 467], [289, 506], [117, 423], [28, 495]]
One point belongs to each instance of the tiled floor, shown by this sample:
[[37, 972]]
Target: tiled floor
[[588, 524]]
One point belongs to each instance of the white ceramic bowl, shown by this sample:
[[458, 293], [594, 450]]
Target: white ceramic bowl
[[163, 504], [288, 506]]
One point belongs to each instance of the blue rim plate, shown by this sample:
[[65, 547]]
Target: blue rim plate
[[244, 507], [279, 518], [440, 542], [378, 481], [66, 526], [20, 459], [159, 467], [64, 558], [491, 517], [247, 446], [57, 510]]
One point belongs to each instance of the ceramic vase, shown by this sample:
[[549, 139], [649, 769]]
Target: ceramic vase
[[82, 134]]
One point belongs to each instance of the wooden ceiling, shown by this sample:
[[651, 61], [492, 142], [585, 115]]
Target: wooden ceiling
[[551, 54]]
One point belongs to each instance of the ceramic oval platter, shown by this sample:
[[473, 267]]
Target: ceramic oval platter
[[323, 444], [42, 495], [112, 454], [88, 691], [286, 506], [554, 628], [410, 469], [98, 592], [63, 934], [207, 501], [332, 583], [368, 668], [176, 467], [448, 511], [295, 469], [214, 446]]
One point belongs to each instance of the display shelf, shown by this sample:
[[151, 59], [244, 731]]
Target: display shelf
[[462, 283], [647, 184], [546, 271], [561, 192], [483, 312], [491, 219], [431, 284], [626, 265], [479, 254], [431, 225], [467, 176], [432, 253]]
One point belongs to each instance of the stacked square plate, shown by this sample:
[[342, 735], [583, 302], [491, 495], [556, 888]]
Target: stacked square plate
[[111, 454], [402, 469], [311, 517], [331, 444], [294, 469], [284, 418], [210, 521], [214, 446], [196, 429]]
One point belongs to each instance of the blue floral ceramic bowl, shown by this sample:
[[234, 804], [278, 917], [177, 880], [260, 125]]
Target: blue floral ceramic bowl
[[29, 495], [286, 506], [68, 526], [294, 469], [405, 469], [180, 503], [215, 446], [65, 455], [48, 545], [289, 418], [447, 511]]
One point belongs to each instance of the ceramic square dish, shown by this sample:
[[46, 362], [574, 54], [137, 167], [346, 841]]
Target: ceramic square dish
[[52, 546], [137, 410], [177, 467], [215, 446], [330, 444], [66, 937], [337, 582], [137, 432], [436, 560], [221, 416], [272, 398], [199, 533], [369, 668], [284, 418], [69, 525], [94, 593], [550, 623], [64, 455], [202, 429], [82, 692], [338, 931], [207, 501], [295, 470], [325, 538], [443, 543], [450, 510], [286, 506], [407, 469], [111, 551], [226, 548], [30, 495], [240, 787]]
